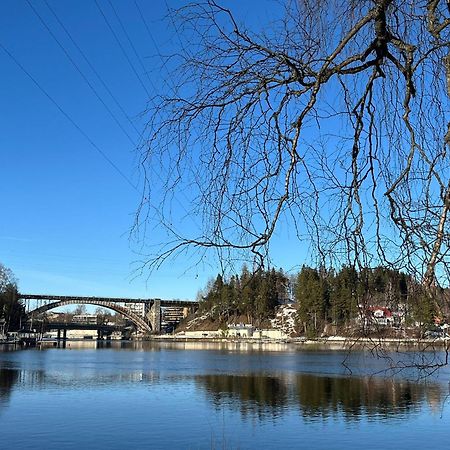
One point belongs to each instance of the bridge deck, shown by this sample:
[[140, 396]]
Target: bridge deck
[[72, 298], [81, 326]]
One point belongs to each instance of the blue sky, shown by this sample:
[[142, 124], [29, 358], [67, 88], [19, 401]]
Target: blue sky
[[68, 205]]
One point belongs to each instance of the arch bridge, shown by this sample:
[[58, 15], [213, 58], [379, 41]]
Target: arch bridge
[[149, 322]]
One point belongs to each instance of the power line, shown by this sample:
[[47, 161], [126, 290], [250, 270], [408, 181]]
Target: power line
[[90, 85], [68, 117], [131, 44], [145, 71], [155, 45], [61, 46], [182, 205], [123, 50], [72, 121], [91, 67]]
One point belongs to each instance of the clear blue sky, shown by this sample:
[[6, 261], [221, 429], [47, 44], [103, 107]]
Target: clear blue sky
[[66, 212]]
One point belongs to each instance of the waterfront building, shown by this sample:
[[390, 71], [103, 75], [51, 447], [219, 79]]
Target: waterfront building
[[90, 319], [240, 330], [141, 309]]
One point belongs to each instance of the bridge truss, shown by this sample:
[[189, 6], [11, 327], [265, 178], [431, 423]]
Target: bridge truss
[[150, 322]]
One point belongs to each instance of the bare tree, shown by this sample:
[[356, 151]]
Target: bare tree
[[7, 279], [332, 120]]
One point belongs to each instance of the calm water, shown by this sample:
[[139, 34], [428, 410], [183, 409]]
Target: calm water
[[213, 396]]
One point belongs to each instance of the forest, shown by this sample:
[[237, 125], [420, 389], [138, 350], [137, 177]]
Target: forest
[[252, 295], [323, 297]]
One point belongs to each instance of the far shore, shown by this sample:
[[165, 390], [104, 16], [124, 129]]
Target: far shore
[[337, 343]]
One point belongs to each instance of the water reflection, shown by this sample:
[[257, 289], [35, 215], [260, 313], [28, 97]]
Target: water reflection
[[254, 396], [255, 384], [320, 396], [39, 379], [8, 378], [258, 395], [356, 397]]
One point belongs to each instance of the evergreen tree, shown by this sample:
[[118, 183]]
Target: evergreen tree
[[310, 296], [344, 296], [252, 294]]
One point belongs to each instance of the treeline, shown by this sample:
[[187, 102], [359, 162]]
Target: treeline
[[323, 297], [252, 295], [333, 297], [339, 297], [12, 312]]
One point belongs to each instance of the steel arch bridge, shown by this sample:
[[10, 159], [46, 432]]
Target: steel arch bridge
[[141, 324]]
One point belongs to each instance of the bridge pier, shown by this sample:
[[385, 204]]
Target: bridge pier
[[64, 337], [155, 316]]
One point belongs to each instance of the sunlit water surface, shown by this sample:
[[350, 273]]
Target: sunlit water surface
[[216, 396]]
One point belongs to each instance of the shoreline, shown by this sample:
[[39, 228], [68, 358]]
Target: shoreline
[[336, 343], [342, 341]]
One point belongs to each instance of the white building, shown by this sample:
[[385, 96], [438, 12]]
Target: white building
[[240, 330], [90, 319], [140, 309]]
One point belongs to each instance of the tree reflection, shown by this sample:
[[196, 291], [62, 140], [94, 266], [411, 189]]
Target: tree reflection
[[357, 397], [8, 378], [254, 395], [319, 397]]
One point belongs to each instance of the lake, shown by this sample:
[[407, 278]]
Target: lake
[[218, 396]]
